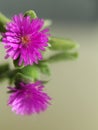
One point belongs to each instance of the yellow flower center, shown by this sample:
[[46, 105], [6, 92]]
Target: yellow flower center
[[25, 40]]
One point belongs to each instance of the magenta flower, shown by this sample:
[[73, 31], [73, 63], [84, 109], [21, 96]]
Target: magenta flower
[[27, 99], [24, 39]]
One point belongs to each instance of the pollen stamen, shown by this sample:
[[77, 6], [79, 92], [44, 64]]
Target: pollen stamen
[[25, 39]]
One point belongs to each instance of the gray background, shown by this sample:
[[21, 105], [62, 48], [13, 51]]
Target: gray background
[[78, 10]]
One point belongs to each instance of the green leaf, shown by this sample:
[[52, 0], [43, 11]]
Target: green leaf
[[11, 75], [3, 21], [2, 28], [21, 77], [44, 68], [30, 13], [62, 44], [15, 62], [31, 71], [62, 56], [4, 68]]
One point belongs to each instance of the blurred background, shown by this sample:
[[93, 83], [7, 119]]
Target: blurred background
[[73, 85], [69, 10]]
